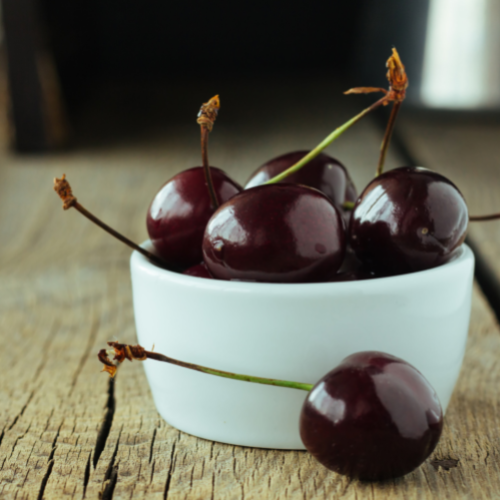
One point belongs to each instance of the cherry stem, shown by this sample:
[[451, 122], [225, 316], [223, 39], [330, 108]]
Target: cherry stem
[[387, 137], [326, 142], [122, 351], [117, 235], [479, 218], [206, 119], [206, 167], [348, 205], [63, 189]]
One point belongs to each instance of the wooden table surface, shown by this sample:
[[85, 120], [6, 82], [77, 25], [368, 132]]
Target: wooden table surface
[[67, 431]]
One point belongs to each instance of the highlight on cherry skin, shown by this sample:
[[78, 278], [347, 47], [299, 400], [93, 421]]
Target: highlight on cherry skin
[[179, 212], [373, 417], [406, 220], [281, 233]]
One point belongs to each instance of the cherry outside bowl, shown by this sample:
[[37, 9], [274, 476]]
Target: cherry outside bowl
[[294, 332]]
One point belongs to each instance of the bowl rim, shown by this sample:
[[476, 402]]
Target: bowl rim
[[139, 261]]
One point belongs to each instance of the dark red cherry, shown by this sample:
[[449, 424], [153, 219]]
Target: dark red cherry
[[323, 172], [180, 211], [283, 233], [199, 271], [373, 417], [408, 219]]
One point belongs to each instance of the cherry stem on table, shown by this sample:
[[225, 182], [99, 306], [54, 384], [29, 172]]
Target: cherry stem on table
[[387, 137], [480, 218], [63, 189], [327, 141], [125, 351]]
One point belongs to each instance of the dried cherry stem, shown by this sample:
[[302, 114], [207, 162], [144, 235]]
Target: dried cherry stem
[[398, 82], [387, 137], [63, 189], [481, 218], [130, 352], [206, 119]]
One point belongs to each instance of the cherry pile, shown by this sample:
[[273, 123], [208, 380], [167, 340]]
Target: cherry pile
[[408, 219], [299, 219]]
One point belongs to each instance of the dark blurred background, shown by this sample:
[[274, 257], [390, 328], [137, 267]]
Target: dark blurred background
[[64, 56], [85, 51]]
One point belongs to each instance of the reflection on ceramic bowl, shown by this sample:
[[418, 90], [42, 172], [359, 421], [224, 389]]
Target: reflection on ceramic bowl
[[293, 332]]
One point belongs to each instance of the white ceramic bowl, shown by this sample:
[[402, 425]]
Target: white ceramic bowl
[[293, 332]]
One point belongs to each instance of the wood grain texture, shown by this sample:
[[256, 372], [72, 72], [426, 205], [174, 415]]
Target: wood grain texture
[[66, 431]]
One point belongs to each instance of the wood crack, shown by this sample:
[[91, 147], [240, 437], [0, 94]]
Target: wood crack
[[93, 334], [45, 479], [152, 445], [86, 476], [45, 349], [445, 463], [169, 477], [51, 462], [18, 439], [105, 429], [19, 415], [107, 494], [111, 475]]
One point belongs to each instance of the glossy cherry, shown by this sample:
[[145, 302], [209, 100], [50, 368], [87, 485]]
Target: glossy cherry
[[408, 219], [284, 233], [373, 417], [323, 172], [180, 211], [199, 271]]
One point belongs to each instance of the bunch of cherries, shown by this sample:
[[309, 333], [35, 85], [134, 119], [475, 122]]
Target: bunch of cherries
[[374, 416], [295, 225]]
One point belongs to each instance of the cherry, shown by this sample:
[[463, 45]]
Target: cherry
[[373, 417], [323, 172], [199, 271], [408, 219], [285, 233], [180, 211]]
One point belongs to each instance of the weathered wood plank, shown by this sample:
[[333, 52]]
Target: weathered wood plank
[[65, 290]]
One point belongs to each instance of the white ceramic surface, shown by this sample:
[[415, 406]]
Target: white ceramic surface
[[294, 332]]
